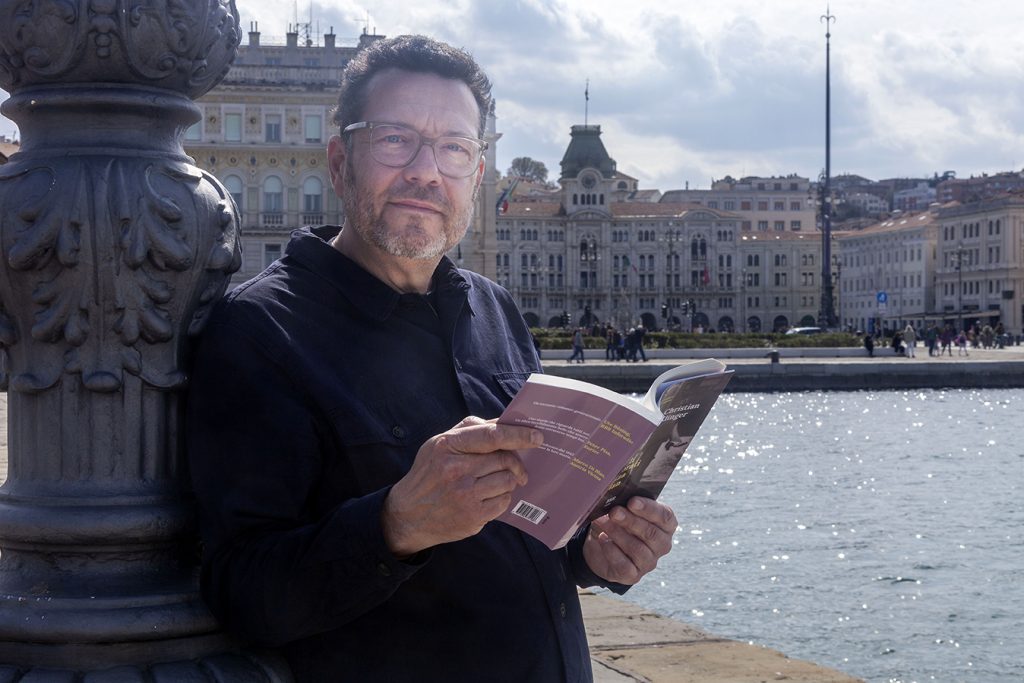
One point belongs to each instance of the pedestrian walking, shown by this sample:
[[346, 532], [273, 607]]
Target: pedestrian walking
[[577, 346], [910, 339]]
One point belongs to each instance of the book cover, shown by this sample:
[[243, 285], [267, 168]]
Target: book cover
[[685, 404], [595, 444]]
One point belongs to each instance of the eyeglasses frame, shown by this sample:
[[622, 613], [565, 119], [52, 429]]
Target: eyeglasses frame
[[424, 140]]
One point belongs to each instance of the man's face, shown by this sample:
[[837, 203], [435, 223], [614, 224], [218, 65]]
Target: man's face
[[412, 212]]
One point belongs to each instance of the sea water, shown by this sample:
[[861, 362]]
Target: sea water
[[880, 533]]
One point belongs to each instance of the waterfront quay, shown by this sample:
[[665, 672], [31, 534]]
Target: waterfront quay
[[807, 369], [631, 644]]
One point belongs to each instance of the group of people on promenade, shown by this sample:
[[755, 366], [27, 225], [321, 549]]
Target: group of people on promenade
[[940, 341], [625, 346]]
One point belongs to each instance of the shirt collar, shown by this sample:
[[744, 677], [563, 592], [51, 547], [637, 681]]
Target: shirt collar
[[311, 248]]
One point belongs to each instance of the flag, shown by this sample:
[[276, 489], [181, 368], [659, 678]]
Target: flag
[[586, 92], [629, 263], [501, 206], [707, 276]]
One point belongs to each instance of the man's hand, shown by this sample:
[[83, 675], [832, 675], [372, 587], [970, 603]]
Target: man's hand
[[461, 480], [627, 543]]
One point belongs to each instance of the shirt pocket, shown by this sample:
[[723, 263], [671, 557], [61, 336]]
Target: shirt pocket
[[511, 382], [374, 450]]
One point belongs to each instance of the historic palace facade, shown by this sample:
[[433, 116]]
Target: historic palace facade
[[595, 253]]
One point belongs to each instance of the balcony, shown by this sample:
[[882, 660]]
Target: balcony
[[272, 218], [312, 219]]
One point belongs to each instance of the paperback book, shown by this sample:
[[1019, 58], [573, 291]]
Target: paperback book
[[602, 448]]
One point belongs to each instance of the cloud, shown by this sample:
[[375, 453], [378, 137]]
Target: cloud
[[691, 90]]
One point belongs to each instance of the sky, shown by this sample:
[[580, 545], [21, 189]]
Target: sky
[[687, 91]]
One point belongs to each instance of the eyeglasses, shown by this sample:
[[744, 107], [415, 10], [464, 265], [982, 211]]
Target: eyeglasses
[[396, 146]]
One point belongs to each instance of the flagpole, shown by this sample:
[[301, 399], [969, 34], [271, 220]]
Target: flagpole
[[586, 103]]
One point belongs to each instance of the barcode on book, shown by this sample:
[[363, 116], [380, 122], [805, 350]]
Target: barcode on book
[[529, 512]]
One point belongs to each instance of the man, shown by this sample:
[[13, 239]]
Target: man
[[577, 346], [341, 436]]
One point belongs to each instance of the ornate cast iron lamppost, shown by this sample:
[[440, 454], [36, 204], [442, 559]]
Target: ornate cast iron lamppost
[[114, 247]]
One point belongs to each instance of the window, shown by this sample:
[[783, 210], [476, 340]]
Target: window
[[779, 206], [762, 226], [780, 226], [762, 206], [312, 196], [194, 132], [314, 129], [271, 252], [233, 184], [233, 127], [794, 206], [273, 195], [272, 127], [794, 225]]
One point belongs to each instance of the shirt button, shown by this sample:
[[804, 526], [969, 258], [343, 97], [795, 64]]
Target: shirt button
[[386, 571], [397, 431], [561, 610]]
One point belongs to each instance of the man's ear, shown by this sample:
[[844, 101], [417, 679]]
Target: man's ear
[[479, 176], [337, 156]]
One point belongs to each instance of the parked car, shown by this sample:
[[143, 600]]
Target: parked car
[[804, 330]]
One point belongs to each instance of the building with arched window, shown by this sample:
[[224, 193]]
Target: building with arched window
[[605, 252], [264, 134]]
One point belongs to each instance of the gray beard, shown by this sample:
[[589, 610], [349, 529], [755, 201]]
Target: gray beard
[[410, 240]]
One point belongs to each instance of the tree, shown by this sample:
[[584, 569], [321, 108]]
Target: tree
[[529, 169]]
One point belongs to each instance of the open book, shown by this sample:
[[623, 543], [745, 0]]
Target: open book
[[601, 448]]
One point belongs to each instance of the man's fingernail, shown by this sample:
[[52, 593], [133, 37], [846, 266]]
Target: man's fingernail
[[618, 514], [536, 438], [636, 504]]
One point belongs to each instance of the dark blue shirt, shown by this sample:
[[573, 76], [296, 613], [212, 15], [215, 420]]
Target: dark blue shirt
[[314, 386]]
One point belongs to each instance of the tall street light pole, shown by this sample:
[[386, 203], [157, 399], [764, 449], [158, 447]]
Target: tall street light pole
[[960, 284], [827, 314]]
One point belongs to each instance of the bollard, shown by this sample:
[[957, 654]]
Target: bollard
[[774, 355]]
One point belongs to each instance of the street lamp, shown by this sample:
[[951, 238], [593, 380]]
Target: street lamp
[[538, 283], [589, 256], [837, 265], [671, 238], [743, 300], [960, 284]]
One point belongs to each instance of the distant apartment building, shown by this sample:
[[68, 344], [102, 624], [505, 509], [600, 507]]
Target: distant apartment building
[[954, 264], [867, 204], [979, 270], [885, 273], [774, 204], [917, 198], [967, 190]]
